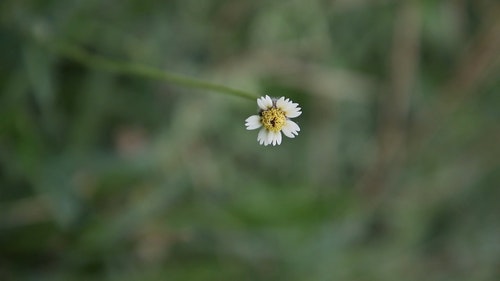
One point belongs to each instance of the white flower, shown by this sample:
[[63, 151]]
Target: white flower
[[274, 118]]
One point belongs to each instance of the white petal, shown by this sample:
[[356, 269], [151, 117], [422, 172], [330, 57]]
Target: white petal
[[278, 138], [261, 102], [271, 138], [290, 108], [274, 138], [268, 102], [265, 102], [286, 105], [291, 129], [253, 122], [293, 113], [262, 136], [281, 103]]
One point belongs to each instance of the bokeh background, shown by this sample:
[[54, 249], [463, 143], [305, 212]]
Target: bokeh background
[[108, 176]]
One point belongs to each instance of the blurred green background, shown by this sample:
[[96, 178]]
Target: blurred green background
[[395, 174]]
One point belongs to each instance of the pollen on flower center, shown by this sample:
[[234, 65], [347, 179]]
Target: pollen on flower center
[[273, 119]]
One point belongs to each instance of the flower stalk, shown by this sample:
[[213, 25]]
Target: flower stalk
[[79, 55]]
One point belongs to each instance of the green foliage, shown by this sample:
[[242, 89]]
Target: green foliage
[[106, 174]]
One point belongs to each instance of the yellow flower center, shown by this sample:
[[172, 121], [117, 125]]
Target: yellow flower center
[[273, 119]]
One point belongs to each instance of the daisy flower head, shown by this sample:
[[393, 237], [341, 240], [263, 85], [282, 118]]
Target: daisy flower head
[[273, 118]]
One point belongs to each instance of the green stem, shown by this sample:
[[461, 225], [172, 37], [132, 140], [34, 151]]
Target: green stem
[[83, 57]]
